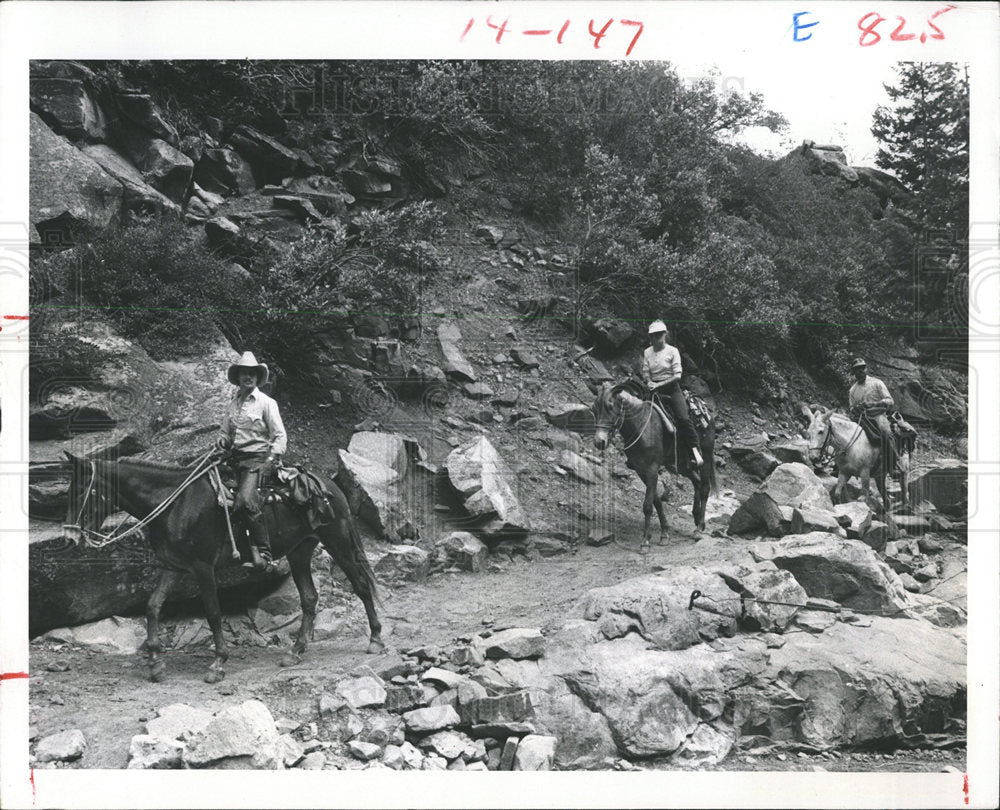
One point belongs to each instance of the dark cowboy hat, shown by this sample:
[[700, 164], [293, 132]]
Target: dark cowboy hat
[[247, 361], [858, 363]]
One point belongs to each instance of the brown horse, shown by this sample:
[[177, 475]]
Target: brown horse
[[648, 447], [190, 535]]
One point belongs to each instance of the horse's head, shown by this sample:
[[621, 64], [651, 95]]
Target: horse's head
[[817, 421], [607, 414], [90, 498]]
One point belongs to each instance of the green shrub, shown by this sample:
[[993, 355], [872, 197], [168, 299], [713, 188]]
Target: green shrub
[[157, 284]]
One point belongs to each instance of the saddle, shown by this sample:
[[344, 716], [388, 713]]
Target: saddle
[[903, 433], [697, 409], [293, 486]]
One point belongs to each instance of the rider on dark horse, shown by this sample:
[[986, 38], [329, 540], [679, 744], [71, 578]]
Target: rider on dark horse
[[661, 371], [253, 433], [870, 401]]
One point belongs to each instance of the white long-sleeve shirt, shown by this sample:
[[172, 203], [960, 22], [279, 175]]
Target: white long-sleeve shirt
[[870, 393], [661, 367]]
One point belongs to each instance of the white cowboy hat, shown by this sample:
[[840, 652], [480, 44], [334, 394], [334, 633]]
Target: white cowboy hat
[[657, 326], [247, 360]]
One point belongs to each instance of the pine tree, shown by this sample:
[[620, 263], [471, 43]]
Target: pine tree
[[926, 138]]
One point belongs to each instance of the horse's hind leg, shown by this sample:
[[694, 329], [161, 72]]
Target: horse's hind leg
[[337, 542], [300, 561], [661, 515], [702, 488], [205, 574], [168, 577]]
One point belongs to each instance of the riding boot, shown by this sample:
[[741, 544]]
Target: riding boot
[[696, 458], [261, 541]]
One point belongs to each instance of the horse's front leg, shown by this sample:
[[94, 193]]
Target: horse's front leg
[[650, 478], [205, 575], [168, 577], [300, 561], [841, 488]]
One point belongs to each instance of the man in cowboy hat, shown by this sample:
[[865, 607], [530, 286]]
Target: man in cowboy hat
[[661, 371], [253, 432], [870, 400]]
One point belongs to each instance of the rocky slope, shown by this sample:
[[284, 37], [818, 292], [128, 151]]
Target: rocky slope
[[461, 434]]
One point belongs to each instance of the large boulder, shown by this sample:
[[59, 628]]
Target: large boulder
[[238, 737], [163, 166], [271, 160], [658, 608], [884, 683], [824, 159], [224, 171], [117, 579], [797, 485], [610, 335], [854, 687], [654, 701], [945, 485], [70, 194], [387, 449], [140, 110], [760, 514], [116, 635], [487, 487], [67, 106], [886, 187], [373, 490], [831, 567], [139, 195], [461, 550]]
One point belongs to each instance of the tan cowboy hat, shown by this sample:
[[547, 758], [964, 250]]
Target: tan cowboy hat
[[247, 360], [858, 363]]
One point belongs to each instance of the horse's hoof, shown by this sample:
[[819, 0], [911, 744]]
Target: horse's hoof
[[375, 647], [289, 659], [215, 675], [644, 548], [157, 672]]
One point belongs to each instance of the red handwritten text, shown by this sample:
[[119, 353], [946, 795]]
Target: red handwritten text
[[597, 34], [871, 21]]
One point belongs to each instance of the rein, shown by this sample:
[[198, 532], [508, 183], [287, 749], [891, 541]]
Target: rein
[[616, 428], [826, 448], [200, 469]]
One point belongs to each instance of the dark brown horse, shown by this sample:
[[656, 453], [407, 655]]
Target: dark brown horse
[[648, 447], [190, 535]]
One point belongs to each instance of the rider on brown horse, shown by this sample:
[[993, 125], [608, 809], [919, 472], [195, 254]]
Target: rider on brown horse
[[253, 432], [661, 371], [870, 401]]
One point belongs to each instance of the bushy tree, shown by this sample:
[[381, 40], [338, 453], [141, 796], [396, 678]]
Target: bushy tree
[[925, 137]]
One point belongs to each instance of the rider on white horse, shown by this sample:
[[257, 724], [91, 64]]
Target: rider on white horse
[[661, 371], [870, 400]]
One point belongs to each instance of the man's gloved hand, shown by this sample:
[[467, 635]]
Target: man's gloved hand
[[223, 443]]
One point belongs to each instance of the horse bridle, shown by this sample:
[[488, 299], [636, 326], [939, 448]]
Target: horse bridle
[[616, 428], [105, 539], [826, 448]]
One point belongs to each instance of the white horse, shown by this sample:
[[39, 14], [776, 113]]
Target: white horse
[[853, 452]]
